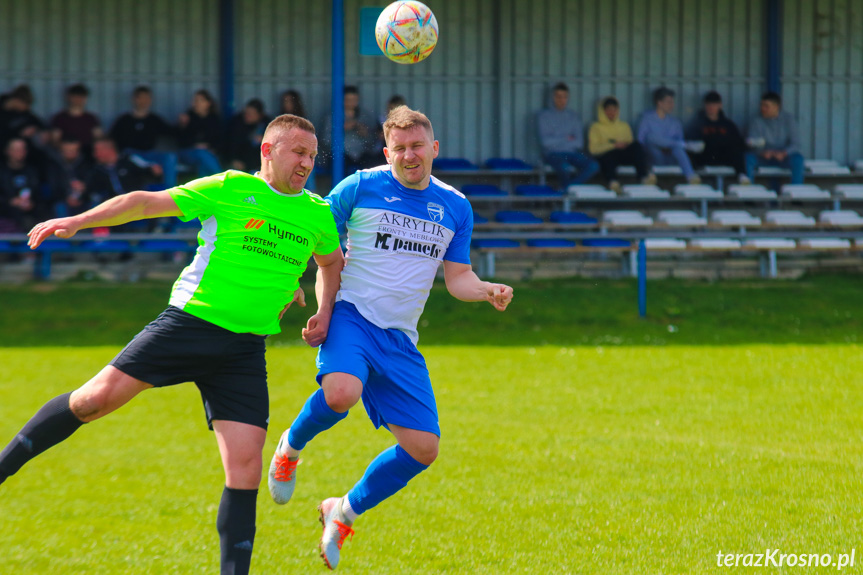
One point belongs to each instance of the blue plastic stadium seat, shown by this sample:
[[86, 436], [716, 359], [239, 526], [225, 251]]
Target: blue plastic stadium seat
[[155, 187], [536, 190], [516, 217], [606, 243], [551, 243], [507, 164], [55, 246], [106, 246], [560, 217], [482, 190], [453, 164], [179, 224], [495, 243], [478, 219], [164, 246], [5, 247]]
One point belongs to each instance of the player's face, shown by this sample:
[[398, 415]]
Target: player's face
[[291, 157], [410, 153], [561, 99]]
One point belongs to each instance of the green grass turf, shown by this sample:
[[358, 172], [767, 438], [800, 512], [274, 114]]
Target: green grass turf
[[554, 459], [821, 309]]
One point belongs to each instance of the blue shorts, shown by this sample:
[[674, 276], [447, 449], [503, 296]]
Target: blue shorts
[[396, 385]]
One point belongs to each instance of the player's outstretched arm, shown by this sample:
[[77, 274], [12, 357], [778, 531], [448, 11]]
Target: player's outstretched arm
[[329, 277], [462, 283], [119, 210]]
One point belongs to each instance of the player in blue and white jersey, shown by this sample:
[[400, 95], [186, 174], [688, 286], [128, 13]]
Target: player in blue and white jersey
[[401, 224]]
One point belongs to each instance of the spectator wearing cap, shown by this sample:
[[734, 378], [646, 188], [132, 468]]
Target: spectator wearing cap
[[723, 143]]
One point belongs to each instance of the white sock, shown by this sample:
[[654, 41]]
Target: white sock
[[348, 511], [285, 448]]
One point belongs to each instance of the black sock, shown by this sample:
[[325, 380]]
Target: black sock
[[236, 526], [53, 423]]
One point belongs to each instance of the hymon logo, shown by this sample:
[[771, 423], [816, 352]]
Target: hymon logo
[[254, 224]]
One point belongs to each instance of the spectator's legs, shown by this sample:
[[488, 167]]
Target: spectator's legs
[[656, 157], [796, 164], [206, 162], [634, 154], [560, 165], [608, 163], [168, 161], [753, 160], [586, 166], [682, 159]]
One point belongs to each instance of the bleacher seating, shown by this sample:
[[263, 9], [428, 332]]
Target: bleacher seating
[[849, 191], [826, 168], [751, 192], [770, 243], [789, 219], [840, 218], [479, 219], [508, 164], [804, 192], [715, 243], [606, 243], [535, 190], [446, 164], [697, 191], [681, 218], [516, 217], [482, 190], [550, 243], [626, 218], [824, 243], [590, 192], [664, 244], [578, 218], [734, 218], [644, 191]]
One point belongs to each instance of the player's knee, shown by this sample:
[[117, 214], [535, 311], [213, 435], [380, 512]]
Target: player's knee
[[342, 395], [243, 471], [425, 452], [88, 404]]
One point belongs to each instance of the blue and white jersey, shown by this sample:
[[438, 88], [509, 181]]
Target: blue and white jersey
[[397, 238]]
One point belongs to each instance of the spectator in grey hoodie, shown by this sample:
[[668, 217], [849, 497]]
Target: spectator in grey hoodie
[[773, 137], [661, 134], [561, 136]]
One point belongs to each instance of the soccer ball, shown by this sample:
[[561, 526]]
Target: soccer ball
[[406, 32]]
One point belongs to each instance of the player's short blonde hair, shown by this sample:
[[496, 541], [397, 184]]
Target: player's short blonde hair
[[404, 118], [284, 123]]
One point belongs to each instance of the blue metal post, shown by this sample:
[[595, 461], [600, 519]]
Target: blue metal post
[[642, 279], [774, 45], [338, 87], [226, 58]]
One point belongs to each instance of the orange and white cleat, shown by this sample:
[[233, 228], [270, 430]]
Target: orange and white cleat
[[336, 530], [282, 477]]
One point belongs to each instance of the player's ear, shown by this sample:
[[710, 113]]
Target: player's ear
[[436, 147], [387, 155], [266, 149]]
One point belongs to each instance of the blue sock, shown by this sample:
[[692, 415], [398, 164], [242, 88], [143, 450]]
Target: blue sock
[[389, 472], [315, 417]]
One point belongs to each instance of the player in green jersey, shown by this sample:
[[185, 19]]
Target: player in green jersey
[[258, 232]]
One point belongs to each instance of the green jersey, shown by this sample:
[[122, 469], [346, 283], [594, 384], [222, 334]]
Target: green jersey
[[254, 245]]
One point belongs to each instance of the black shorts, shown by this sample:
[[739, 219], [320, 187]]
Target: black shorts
[[230, 369]]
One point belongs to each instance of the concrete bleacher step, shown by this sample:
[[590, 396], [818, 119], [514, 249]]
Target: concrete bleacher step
[[667, 170], [825, 243], [696, 191], [751, 192], [680, 218], [789, 218], [770, 243], [849, 191], [715, 243], [593, 192], [644, 191], [626, 218], [840, 218], [734, 218], [804, 192], [664, 244]]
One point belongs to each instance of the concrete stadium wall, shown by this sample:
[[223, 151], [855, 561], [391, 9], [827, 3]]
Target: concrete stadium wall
[[491, 71]]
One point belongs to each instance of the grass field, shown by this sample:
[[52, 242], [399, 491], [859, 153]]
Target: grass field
[[576, 439]]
